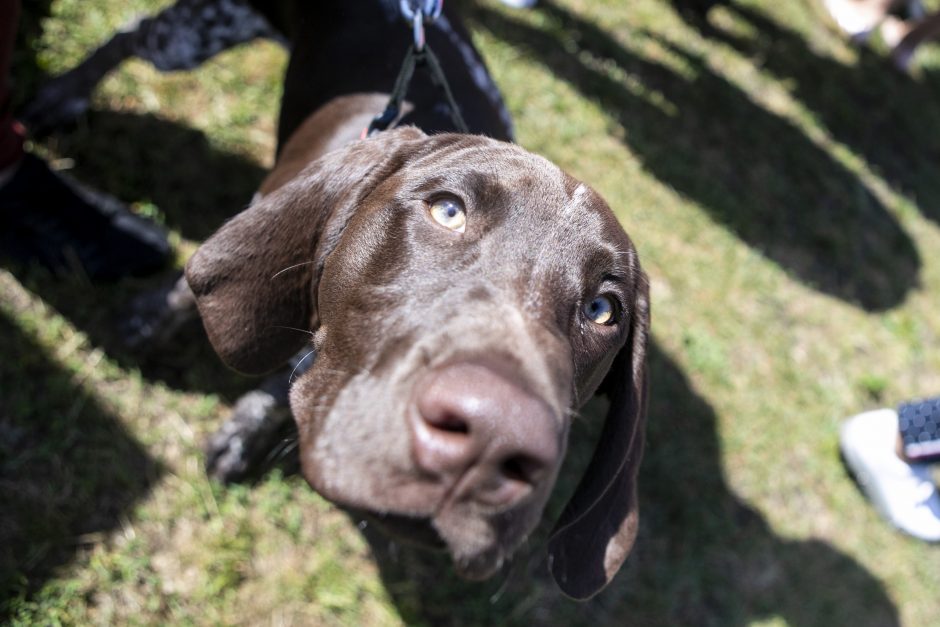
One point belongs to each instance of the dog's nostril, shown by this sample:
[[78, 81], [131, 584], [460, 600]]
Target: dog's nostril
[[521, 468], [450, 423], [476, 427]]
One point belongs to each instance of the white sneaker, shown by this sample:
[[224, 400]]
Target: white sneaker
[[893, 31], [902, 492], [856, 21]]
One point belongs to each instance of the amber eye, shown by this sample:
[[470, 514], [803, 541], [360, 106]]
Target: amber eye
[[600, 310], [449, 213]]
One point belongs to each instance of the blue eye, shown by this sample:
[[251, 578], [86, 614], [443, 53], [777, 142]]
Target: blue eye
[[449, 213], [600, 310]]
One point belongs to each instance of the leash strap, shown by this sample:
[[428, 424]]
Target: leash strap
[[438, 78], [419, 54]]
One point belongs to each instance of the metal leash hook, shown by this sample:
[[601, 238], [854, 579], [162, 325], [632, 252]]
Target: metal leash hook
[[417, 27], [418, 12]]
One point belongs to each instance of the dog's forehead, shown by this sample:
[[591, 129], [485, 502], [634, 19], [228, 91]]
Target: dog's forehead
[[517, 187], [493, 163]]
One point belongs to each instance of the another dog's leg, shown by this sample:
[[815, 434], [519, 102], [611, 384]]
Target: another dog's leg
[[259, 432], [180, 37]]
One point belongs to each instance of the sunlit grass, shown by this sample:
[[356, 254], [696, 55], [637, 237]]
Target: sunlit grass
[[781, 187]]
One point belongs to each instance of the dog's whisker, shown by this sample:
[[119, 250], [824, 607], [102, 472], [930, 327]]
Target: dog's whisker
[[283, 449], [296, 265], [290, 379], [507, 577], [278, 326], [576, 416]]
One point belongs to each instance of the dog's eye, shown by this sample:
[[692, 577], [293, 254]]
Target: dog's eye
[[600, 310], [449, 213]]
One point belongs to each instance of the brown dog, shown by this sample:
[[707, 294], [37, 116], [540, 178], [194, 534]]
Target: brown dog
[[464, 298]]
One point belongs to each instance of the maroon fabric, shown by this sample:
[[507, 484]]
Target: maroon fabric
[[12, 132]]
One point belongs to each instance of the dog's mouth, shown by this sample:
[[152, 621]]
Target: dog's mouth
[[465, 466], [432, 534], [410, 530]]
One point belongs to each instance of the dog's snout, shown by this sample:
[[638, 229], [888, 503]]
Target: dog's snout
[[479, 427]]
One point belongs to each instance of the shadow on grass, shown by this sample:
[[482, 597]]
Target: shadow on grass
[[69, 471], [132, 156], [186, 362], [753, 171], [703, 557], [879, 113], [196, 187]]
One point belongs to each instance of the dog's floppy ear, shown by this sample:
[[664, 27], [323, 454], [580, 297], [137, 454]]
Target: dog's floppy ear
[[255, 280], [595, 532]]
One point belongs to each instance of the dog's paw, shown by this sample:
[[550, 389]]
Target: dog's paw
[[252, 439], [153, 318]]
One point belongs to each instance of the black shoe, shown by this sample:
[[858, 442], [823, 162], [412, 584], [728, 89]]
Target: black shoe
[[49, 220]]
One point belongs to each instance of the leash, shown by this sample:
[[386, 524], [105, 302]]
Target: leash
[[419, 54]]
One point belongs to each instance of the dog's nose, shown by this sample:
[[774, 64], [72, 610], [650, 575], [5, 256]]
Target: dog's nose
[[477, 427]]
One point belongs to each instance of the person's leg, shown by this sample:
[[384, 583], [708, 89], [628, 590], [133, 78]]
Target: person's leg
[[48, 220], [904, 36]]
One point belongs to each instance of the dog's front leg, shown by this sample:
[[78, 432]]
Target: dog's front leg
[[259, 432], [155, 317]]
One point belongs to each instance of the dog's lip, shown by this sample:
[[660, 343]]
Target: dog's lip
[[421, 531], [480, 567], [411, 529]]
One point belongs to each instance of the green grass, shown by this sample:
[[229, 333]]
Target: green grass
[[782, 189]]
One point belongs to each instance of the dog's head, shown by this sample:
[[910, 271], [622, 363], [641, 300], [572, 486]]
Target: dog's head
[[465, 298]]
